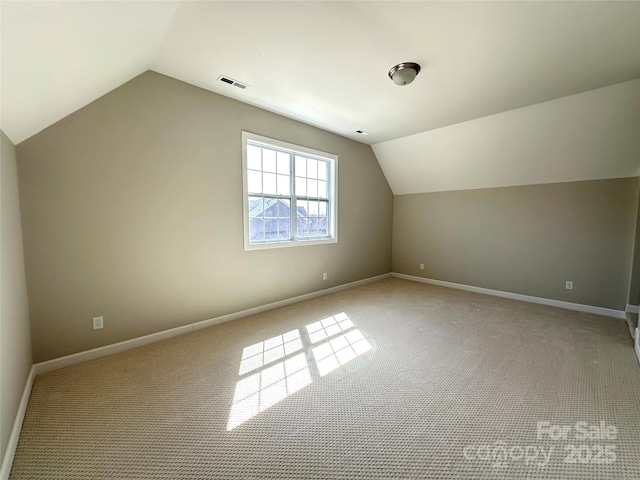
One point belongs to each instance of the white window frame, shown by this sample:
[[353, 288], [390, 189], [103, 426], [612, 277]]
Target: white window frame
[[332, 188]]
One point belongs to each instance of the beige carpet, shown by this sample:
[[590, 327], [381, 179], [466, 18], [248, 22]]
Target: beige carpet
[[393, 379]]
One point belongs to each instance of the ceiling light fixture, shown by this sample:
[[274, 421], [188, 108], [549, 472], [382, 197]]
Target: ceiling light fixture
[[404, 73], [362, 132]]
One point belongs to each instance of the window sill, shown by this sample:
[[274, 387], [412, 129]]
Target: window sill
[[293, 243]]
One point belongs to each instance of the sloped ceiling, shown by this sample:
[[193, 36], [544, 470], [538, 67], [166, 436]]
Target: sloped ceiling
[[324, 63], [59, 56], [588, 136]]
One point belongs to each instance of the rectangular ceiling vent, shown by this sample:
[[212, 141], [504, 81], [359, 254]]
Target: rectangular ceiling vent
[[233, 82]]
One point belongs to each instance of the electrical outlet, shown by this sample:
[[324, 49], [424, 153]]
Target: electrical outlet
[[98, 323], [568, 285], [422, 266], [325, 276]]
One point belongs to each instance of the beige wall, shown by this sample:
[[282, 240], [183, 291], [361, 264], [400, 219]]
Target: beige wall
[[132, 209], [527, 240], [634, 287], [15, 342]]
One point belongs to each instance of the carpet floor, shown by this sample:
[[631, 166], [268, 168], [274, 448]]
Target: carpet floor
[[389, 380]]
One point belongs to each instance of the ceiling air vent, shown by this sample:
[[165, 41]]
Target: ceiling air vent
[[233, 82]]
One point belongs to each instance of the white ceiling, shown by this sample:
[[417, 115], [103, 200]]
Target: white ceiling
[[588, 136], [324, 63], [59, 56]]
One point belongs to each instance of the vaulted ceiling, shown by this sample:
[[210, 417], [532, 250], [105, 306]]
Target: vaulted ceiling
[[324, 63]]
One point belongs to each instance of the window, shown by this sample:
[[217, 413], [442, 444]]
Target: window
[[289, 194]]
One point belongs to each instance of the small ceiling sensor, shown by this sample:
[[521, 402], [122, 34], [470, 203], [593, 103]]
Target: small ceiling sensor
[[362, 132], [404, 73]]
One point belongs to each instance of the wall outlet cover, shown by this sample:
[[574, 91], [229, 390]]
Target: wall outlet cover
[[98, 323]]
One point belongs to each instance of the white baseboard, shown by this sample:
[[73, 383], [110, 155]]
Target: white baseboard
[[632, 309], [7, 460], [74, 358], [517, 296], [282, 303], [155, 337]]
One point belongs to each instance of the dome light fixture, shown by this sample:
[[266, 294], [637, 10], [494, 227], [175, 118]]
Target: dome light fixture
[[404, 73]]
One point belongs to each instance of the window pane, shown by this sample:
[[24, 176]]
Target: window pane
[[271, 229], [312, 168], [254, 181], [284, 208], [284, 187], [303, 227], [312, 188], [255, 207], [270, 208], [313, 226], [322, 189], [268, 160], [256, 229], [322, 227], [313, 208], [253, 157], [303, 208], [283, 163], [269, 184], [301, 186], [322, 170], [301, 166], [283, 229], [322, 209]]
